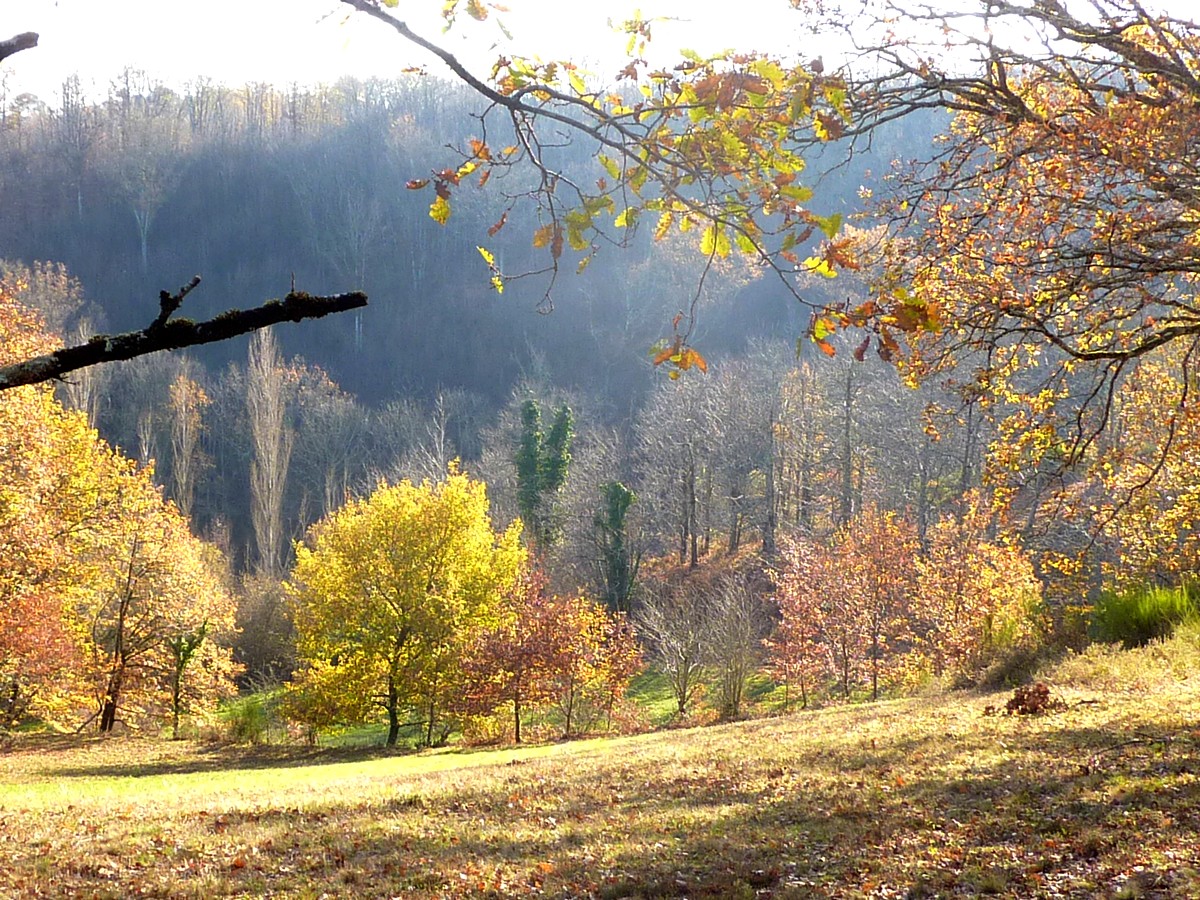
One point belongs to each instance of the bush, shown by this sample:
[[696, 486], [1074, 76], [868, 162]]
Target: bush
[[253, 719], [1136, 617], [1015, 667]]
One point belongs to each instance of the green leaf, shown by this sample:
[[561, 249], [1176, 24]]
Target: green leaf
[[715, 241], [798, 192], [610, 166], [831, 225]]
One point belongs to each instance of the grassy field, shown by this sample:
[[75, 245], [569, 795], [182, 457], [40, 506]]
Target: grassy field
[[920, 797]]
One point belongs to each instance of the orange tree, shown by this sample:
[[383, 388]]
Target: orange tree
[[569, 653], [99, 577], [1052, 240], [976, 598], [795, 652]]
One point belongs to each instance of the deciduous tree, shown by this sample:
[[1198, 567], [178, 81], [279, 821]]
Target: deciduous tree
[[384, 589], [977, 598]]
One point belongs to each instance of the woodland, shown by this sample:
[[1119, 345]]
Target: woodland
[[847, 386]]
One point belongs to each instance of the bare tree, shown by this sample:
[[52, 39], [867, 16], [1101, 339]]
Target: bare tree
[[272, 438], [674, 622], [187, 400], [82, 391], [737, 624]]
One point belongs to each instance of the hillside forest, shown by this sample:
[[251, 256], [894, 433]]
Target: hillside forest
[[480, 509]]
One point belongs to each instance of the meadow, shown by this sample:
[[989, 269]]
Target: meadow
[[943, 795]]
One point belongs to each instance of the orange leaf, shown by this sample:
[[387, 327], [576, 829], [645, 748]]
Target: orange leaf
[[663, 355], [541, 237]]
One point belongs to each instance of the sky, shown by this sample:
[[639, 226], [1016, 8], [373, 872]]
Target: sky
[[309, 41], [313, 41]]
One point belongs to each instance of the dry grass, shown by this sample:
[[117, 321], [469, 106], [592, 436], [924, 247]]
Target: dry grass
[[914, 798]]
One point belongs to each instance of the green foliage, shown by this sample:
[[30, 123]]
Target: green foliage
[[618, 561], [527, 461], [542, 463], [1137, 616], [254, 718]]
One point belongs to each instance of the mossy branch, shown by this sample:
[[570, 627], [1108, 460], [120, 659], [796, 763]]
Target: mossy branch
[[17, 43], [173, 335]]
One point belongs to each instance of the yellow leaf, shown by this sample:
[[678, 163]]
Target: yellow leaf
[[663, 226], [819, 266], [439, 211]]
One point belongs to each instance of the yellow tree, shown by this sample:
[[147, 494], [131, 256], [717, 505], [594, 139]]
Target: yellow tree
[[151, 603], [976, 597], [46, 472], [1141, 495], [384, 591]]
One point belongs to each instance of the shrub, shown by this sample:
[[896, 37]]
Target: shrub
[[252, 719], [1135, 617]]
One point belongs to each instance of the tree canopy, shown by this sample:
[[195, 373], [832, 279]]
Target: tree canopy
[[384, 589]]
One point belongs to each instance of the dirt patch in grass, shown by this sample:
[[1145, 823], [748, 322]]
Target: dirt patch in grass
[[924, 797]]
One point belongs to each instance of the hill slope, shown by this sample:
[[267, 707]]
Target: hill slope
[[918, 797]]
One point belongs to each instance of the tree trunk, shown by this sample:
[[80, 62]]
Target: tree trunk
[[393, 711], [176, 703], [112, 696], [517, 716], [846, 463], [875, 672]]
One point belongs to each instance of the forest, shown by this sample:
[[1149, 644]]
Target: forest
[[954, 441]]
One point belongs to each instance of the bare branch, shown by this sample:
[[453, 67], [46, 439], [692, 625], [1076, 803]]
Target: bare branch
[[173, 335], [17, 43]]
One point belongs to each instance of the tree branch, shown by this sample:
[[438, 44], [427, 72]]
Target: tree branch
[[17, 43], [173, 335]]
